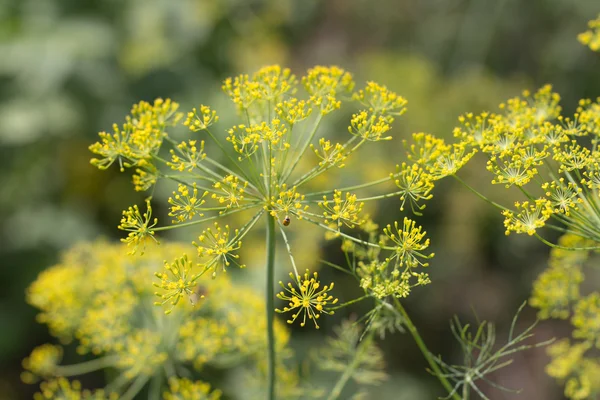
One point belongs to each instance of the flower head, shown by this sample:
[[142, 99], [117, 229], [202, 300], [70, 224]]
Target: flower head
[[217, 248], [185, 205], [200, 120], [187, 156], [529, 217], [184, 389], [409, 243], [310, 299], [415, 185], [138, 225], [176, 282], [42, 362], [342, 210], [591, 37]]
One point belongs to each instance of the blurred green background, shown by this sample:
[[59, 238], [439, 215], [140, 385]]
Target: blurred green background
[[70, 68]]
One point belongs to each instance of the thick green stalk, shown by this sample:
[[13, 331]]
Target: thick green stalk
[[270, 306], [419, 341]]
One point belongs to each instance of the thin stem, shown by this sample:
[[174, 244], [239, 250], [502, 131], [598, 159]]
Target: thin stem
[[349, 371], [155, 385], [270, 290], [383, 196], [200, 221], [557, 246], [230, 172], [481, 196], [419, 341], [86, 367], [135, 387], [303, 149], [224, 150], [350, 302], [339, 385], [348, 188], [466, 391], [289, 249], [318, 170], [342, 234]]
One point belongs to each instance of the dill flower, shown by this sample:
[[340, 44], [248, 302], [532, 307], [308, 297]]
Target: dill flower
[[112, 317], [184, 389], [216, 246], [591, 37], [187, 156], [138, 225], [381, 100], [177, 282], [287, 202], [330, 154], [555, 290], [586, 319], [230, 191], [409, 243], [415, 185], [264, 171], [425, 149], [41, 363], [529, 218], [62, 388], [185, 205], [450, 161], [310, 299], [342, 210], [200, 120], [564, 196]]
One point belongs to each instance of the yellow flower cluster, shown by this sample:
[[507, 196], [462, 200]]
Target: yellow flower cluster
[[342, 210], [138, 225], [369, 127], [310, 299], [217, 248], [199, 121], [278, 123], [185, 205], [139, 138], [331, 155], [187, 156], [287, 202], [409, 244], [184, 389], [102, 298], [591, 37], [229, 191]]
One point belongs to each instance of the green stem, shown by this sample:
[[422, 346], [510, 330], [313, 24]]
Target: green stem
[[86, 367], [348, 188], [202, 220], [339, 385], [270, 306], [350, 302], [557, 246], [155, 385], [419, 341], [481, 196], [350, 369], [135, 387]]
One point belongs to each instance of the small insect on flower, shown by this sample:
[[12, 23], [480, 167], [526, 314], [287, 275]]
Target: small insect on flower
[[286, 220]]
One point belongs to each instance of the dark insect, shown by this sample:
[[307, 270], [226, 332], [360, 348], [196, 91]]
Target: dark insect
[[286, 221]]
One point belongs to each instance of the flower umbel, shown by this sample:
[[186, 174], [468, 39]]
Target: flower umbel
[[310, 299], [138, 225]]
